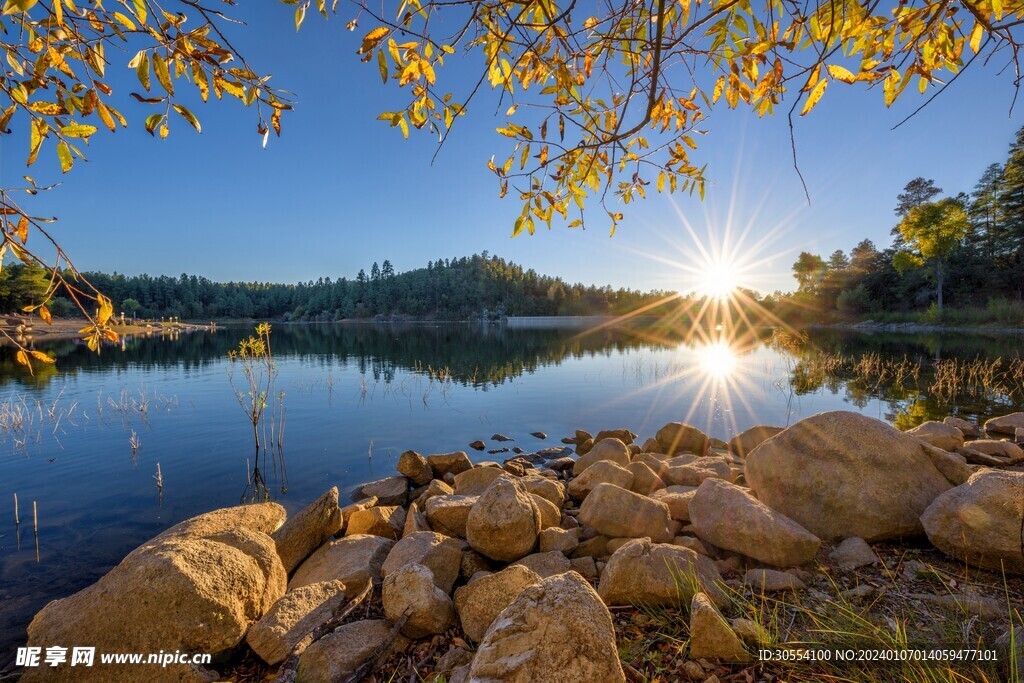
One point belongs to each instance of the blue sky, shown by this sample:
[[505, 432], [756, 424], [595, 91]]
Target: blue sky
[[340, 190]]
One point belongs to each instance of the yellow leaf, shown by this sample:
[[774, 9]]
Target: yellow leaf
[[371, 39], [815, 95], [840, 74], [106, 310], [23, 229], [40, 356], [44, 313], [64, 154], [976, 36], [162, 73]]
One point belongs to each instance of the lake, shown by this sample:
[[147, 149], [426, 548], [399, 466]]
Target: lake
[[83, 439]]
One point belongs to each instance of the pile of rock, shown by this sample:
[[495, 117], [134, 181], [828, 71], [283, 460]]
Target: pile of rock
[[511, 553]]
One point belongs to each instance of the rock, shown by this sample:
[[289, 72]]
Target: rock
[[676, 437], [560, 464], [448, 514], [546, 488], [557, 539], [965, 427], [729, 517], [480, 602], [711, 637], [859, 593], [262, 517], [338, 654], [853, 553], [592, 547], [645, 481], [608, 449], [415, 521], [557, 630], [416, 467], [308, 529], [677, 498], [501, 437], [384, 520], [195, 594], [585, 567], [504, 522], [449, 463], [352, 508], [1010, 452], [747, 630], [603, 472], [938, 434], [843, 474], [696, 472], [645, 573], [748, 440], [986, 608], [619, 513], [389, 491], [546, 564], [441, 554], [692, 543], [455, 657], [292, 617], [411, 591], [981, 522], [772, 581], [475, 481], [623, 435], [550, 515], [472, 563], [539, 435], [353, 560], [477, 445], [436, 487], [1007, 424]]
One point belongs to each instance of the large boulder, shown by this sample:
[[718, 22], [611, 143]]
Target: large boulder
[[606, 449], [619, 513], [448, 514], [938, 434], [338, 654], [504, 522], [353, 560], [308, 529], [645, 573], [645, 481], [292, 617], [677, 498], [441, 554], [449, 463], [603, 472], [842, 474], [411, 592], [550, 515], [382, 520], [729, 517], [480, 601], [557, 630], [262, 517], [1006, 424], [677, 437], [749, 439], [966, 428], [1006, 451], [194, 594], [546, 488], [981, 522], [387, 491]]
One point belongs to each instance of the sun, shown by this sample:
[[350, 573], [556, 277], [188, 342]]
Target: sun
[[716, 360], [718, 281]]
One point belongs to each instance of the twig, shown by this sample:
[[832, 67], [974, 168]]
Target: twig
[[289, 669]]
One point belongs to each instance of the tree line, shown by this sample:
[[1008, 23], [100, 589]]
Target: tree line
[[962, 251], [475, 287]]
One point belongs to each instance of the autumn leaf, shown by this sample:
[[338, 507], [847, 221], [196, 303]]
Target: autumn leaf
[[816, 94]]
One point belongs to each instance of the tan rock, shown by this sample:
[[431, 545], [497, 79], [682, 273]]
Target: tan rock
[[645, 573], [388, 491], [772, 581], [557, 630], [938, 434], [415, 520], [353, 560], [853, 553], [678, 437], [609, 449], [585, 567], [749, 439], [623, 435], [449, 463], [711, 637], [601, 472], [729, 517], [415, 467], [308, 529], [475, 481], [550, 515], [966, 428], [1006, 450], [677, 498], [697, 471], [383, 520], [1006, 424], [558, 539], [645, 481], [981, 522], [480, 602], [546, 564], [262, 517], [843, 474], [293, 616], [436, 487], [441, 554], [546, 488], [411, 591], [619, 513], [338, 654], [448, 514], [504, 522]]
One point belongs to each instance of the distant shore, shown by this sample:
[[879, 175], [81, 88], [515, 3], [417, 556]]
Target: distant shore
[[32, 329], [911, 327]]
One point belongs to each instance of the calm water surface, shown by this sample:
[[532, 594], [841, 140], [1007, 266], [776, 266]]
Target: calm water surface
[[357, 396]]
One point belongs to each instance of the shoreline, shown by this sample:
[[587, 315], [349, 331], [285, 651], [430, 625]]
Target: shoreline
[[869, 326]]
